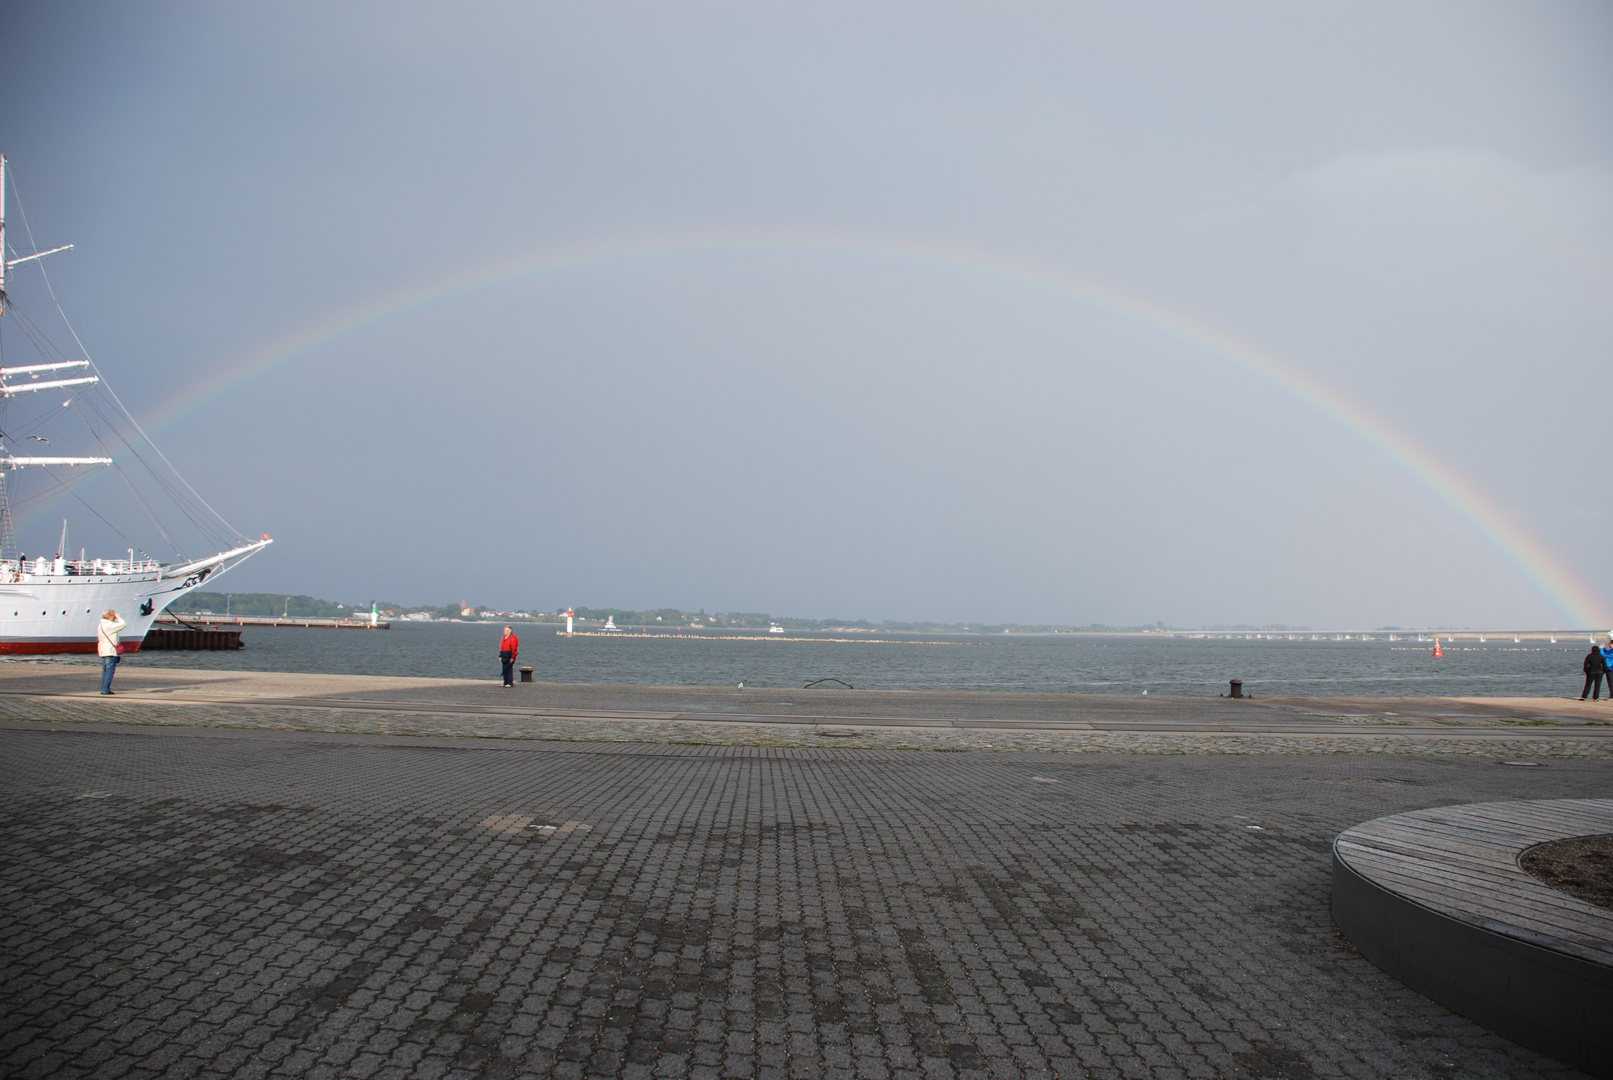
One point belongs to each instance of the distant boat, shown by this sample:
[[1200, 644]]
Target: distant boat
[[610, 624], [775, 629]]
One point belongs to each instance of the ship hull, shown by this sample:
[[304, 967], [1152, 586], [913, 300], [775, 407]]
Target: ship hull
[[46, 615], [55, 648]]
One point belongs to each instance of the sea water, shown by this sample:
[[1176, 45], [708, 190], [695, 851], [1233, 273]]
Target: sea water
[[1061, 663]]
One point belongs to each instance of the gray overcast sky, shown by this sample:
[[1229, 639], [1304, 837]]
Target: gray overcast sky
[[1410, 202]]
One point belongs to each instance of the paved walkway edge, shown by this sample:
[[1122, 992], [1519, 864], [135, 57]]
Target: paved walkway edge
[[1537, 997]]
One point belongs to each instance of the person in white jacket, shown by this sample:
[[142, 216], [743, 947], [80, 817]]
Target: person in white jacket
[[109, 645]]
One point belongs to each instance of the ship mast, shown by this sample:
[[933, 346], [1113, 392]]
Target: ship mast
[[6, 262], [8, 461]]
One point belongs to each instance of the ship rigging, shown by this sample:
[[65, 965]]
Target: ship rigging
[[58, 399]]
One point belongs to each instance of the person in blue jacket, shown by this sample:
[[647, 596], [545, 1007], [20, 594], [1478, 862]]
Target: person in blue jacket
[[1607, 662], [1595, 667]]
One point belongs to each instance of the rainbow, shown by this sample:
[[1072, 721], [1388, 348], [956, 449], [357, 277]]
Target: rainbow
[[1445, 484]]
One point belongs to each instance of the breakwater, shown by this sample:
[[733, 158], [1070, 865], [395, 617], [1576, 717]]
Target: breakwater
[[214, 621]]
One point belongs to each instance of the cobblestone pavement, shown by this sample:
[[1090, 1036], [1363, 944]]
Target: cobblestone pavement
[[212, 903]]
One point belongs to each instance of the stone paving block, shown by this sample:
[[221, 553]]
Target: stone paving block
[[273, 906]]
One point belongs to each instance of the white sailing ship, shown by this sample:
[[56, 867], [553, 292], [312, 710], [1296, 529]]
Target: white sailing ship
[[58, 400]]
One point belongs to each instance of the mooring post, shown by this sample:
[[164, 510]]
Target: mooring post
[[1237, 688], [526, 674]]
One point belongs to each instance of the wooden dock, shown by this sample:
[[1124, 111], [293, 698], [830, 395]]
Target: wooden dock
[[183, 638], [217, 621], [1438, 899]]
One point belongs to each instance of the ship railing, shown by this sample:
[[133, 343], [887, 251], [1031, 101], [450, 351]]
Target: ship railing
[[15, 570]]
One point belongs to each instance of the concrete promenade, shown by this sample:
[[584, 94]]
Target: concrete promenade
[[248, 875], [770, 716]]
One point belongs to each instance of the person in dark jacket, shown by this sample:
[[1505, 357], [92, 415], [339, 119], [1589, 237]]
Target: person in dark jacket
[[1595, 667], [509, 647]]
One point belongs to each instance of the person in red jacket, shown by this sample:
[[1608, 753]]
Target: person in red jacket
[[509, 646]]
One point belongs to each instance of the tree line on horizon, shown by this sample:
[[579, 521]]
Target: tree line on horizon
[[267, 605]]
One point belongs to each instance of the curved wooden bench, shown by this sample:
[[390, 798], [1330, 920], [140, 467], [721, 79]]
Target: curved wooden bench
[[1437, 899]]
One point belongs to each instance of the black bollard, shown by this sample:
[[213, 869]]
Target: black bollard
[[526, 674], [1237, 688]]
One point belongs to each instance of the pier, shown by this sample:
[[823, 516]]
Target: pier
[[185, 639], [213, 622]]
